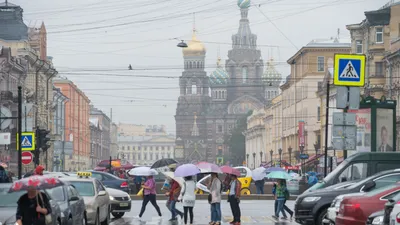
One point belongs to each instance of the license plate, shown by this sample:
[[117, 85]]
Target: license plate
[[123, 204]]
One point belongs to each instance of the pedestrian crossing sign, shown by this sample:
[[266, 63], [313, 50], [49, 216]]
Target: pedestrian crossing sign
[[28, 141], [349, 70]]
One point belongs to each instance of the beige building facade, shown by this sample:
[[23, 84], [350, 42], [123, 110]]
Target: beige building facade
[[255, 139]]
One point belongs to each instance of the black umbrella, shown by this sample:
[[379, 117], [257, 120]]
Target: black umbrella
[[163, 162]]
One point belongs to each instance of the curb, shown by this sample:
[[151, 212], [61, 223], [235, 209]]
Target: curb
[[224, 197]]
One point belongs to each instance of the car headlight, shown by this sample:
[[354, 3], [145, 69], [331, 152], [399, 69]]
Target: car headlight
[[111, 198], [378, 220], [129, 198], [311, 199]]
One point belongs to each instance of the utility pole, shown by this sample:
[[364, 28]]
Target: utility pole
[[326, 128], [19, 132]]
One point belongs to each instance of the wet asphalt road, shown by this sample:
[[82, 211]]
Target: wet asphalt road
[[253, 212]]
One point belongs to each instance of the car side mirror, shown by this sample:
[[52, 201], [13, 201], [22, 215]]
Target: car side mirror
[[74, 198], [102, 193], [343, 179], [369, 185]]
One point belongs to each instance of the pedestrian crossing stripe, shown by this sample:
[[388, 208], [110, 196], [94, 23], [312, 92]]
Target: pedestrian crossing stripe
[[26, 142], [349, 70]]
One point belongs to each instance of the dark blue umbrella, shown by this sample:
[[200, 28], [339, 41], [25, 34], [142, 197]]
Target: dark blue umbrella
[[273, 169]]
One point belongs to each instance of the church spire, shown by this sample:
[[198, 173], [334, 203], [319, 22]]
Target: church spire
[[244, 39], [195, 129]]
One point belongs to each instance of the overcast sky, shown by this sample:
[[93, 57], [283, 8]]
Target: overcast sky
[[94, 41]]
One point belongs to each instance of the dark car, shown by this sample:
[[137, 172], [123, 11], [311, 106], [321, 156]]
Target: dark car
[[8, 206], [111, 181], [71, 204], [376, 218], [389, 207], [311, 207]]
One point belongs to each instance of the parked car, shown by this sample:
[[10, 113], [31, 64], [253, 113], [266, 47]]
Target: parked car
[[312, 207], [96, 198], [71, 204], [360, 166], [120, 202], [351, 211], [8, 206], [389, 208], [376, 218], [333, 211], [111, 181], [394, 218]]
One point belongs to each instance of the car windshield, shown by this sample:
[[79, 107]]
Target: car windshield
[[334, 173], [316, 186], [9, 199], [56, 194], [84, 188], [379, 190]]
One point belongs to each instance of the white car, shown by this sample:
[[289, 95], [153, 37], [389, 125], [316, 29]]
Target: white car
[[395, 215]]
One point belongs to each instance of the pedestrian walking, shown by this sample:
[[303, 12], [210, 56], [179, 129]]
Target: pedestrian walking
[[188, 198], [39, 170], [260, 186], [149, 196], [281, 193], [174, 194], [234, 199], [138, 183], [215, 192], [285, 207], [32, 208]]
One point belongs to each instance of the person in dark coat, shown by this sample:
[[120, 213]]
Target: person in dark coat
[[32, 208]]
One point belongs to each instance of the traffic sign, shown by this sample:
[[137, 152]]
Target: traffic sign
[[349, 70], [28, 141], [27, 158], [5, 113]]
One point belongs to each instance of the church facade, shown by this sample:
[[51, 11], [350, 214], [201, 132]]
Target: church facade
[[210, 105]]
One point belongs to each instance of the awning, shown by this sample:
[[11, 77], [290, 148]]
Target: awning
[[310, 160]]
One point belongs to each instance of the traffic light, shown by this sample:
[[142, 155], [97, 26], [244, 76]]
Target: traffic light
[[43, 139]]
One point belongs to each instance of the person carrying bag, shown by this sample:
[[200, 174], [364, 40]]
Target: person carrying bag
[[33, 209]]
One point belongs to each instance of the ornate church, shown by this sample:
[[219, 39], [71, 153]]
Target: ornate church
[[210, 105]]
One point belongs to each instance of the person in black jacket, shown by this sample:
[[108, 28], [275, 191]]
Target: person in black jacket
[[32, 208]]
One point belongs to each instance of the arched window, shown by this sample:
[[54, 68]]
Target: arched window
[[223, 94], [194, 89], [198, 64], [190, 65], [244, 74]]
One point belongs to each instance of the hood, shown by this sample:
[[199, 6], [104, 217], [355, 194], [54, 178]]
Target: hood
[[7, 214], [88, 199], [326, 192], [116, 193]]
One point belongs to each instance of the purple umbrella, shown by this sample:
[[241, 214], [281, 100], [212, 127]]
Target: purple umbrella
[[186, 170], [272, 169]]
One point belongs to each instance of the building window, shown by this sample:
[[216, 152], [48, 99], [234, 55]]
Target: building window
[[379, 69], [379, 35], [123, 147], [318, 113], [219, 128], [128, 148], [359, 47], [139, 148], [244, 74], [194, 89], [321, 64]]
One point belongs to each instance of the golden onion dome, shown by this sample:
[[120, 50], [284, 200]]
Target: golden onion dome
[[195, 47]]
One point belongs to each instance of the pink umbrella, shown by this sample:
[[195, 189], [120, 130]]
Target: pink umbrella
[[206, 167], [230, 170]]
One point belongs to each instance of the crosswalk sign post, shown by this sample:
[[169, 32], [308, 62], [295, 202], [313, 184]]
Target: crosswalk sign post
[[27, 141], [349, 70]]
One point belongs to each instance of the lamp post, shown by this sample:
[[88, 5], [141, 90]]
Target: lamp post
[[290, 155], [280, 157], [181, 44], [261, 157], [271, 153], [247, 157], [254, 160]]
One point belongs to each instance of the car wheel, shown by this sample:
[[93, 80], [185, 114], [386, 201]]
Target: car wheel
[[322, 216], [118, 215], [245, 191]]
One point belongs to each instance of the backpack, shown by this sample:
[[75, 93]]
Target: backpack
[[3, 177]]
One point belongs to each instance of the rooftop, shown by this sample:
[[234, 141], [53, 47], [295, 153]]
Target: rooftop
[[332, 42]]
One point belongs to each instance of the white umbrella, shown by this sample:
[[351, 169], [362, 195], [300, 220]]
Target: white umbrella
[[170, 174], [259, 173], [143, 171]]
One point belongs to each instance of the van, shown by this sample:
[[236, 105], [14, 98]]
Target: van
[[359, 166]]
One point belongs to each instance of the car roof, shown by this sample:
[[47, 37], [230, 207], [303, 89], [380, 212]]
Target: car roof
[[75, 179]]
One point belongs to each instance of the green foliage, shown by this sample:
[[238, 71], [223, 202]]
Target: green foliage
[[236, 141]]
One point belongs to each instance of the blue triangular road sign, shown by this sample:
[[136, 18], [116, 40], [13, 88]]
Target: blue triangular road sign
[[349, 70]]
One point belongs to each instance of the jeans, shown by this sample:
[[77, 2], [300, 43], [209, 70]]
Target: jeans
[[285, 208], [260, 187], [152, 199], [280, 203], [173, 209], [234, 203], [216, 212]]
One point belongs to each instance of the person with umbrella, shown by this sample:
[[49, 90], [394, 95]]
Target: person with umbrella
[[285, 207], [188, 198], [234, 199], [281, 195], [173, 194]]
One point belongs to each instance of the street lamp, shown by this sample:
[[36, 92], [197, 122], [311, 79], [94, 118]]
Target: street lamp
[[247, 157], [271, 153], [261, 157], [290, 155], [280, 157], [181, 44], [254, 160]]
